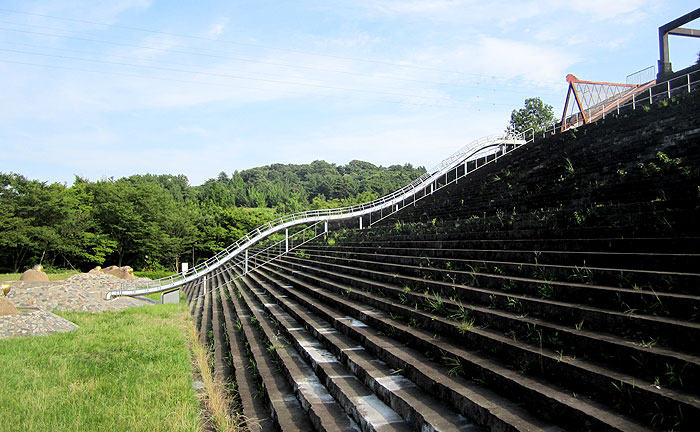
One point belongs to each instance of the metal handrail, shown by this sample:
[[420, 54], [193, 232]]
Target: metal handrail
[[387, 201], [311, 216]]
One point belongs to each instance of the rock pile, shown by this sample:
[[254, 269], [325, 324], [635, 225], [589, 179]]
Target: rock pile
[[35, 274], [124, 272]]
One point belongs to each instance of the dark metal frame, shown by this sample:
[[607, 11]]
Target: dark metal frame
[[674, 28]]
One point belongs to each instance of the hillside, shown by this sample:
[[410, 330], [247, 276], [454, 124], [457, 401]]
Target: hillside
[[158, 221]]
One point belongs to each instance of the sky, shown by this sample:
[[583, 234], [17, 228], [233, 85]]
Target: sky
[[101, 89]]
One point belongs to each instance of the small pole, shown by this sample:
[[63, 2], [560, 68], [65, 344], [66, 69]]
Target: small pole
[[650, 96], [668, 88], [618, 107], [360, 222], [634, 102], [286, 240], [688, 82], [325, 227], [245, 267], [603, 111]]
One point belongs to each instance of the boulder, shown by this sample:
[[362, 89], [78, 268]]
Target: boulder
[[96, 270], [34, 276], [125, 272], [7, 308]]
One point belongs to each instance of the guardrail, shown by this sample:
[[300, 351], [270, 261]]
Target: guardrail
[[393, 202]]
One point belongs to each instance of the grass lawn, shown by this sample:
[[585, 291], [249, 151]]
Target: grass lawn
[[154, 296], [8, 277], [120, 371]]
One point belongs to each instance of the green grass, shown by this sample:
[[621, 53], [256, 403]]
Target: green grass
[[8, 277], [154, 296], [120, 371], [153, 274]]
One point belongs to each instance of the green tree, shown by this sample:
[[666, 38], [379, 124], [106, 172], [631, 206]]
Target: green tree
[[536, 115]]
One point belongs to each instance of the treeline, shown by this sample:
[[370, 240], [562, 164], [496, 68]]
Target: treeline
[[157, 221]]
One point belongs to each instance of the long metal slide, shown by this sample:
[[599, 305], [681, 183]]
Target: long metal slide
[[486, 149]]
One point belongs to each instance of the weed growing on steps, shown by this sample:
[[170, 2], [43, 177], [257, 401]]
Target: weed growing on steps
[[569, 167], [648, 343], [218, 401], [461, 314], [509, 286], [454, 365], [554, 340], [538, 254], [436, 304], [514, 305], [581, 274], [524, 364], [465, 325], [546, 291]]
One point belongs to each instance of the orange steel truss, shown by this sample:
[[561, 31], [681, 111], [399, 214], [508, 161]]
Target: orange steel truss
[[593, 99]]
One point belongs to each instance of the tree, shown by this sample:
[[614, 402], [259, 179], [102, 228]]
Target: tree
[[536, 115]]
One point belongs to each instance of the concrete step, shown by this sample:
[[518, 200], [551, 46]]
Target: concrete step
[[529, 391], [474, 401], [338, 375], [286, 411], [640, 300], [422, 411], [633, 356], [687, 283], [651, 261], [254, 411], [325, 413], [664, 331], [489, 341]]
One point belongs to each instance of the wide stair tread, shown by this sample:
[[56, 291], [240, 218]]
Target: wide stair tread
[[551, 394], [254, 411], [423, 411], [325, 411], [286, 409]]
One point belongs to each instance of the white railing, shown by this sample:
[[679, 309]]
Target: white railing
[[392, 202]]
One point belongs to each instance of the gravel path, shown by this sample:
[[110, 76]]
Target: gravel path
[[81, 292]]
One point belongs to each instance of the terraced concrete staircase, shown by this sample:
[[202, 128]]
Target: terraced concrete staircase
[[556, 289]]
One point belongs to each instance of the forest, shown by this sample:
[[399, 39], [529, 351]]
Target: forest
[[155, 222]]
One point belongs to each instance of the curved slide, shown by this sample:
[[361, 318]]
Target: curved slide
[[386, 206]]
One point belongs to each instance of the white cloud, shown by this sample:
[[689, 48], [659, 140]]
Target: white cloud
[[628, 10], [217, 28], [540, 64], [98, 12]]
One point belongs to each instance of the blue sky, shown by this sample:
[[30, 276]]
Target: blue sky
[[114, 88]]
